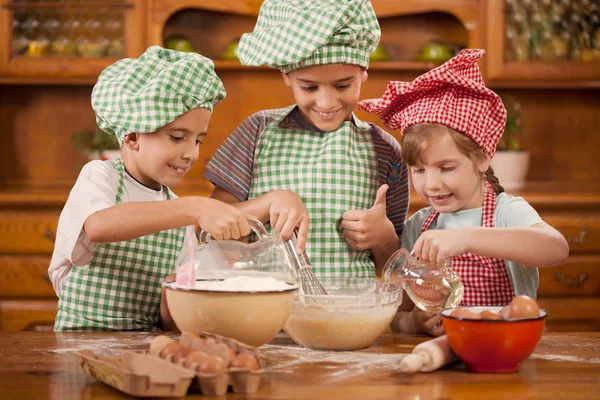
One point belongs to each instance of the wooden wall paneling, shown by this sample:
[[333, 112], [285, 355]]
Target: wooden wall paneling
[[37, 126], [562, 133]]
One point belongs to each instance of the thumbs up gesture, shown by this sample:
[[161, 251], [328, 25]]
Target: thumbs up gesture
[[365, 229]]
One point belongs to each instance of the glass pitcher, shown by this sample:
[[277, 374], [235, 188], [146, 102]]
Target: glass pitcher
[[431, 287], [268, 256]]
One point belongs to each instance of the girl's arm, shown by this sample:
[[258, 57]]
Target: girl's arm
[[539, 245]]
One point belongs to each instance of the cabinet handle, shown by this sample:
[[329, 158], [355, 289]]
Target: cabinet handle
[[577, 239], [570, 282], [50, 235]]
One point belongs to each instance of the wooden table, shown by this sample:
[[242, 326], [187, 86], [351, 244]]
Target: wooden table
[[40, 365]]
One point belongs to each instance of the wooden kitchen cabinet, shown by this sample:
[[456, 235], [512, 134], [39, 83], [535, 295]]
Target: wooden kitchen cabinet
[[551, 43], [212, 26], [38, 164], [27, 299], [67, 41]]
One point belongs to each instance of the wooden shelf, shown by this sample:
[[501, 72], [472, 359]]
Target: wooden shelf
[[69, 4], [546, 84]]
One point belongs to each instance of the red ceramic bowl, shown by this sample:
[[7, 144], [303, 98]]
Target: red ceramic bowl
[[493, 345]]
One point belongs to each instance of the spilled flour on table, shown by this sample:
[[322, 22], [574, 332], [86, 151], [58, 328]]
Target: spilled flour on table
[[108, 345], [556, 357], [333, 366]]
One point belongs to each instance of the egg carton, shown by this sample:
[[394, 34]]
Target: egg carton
[[136, 374], [241, 379]]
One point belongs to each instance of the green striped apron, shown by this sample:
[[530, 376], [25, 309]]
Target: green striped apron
[[120, 288], [332, 172]]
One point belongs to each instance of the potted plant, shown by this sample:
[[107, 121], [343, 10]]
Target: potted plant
[[97, 144], [511, 162]]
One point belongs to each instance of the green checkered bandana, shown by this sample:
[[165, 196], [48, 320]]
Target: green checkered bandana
[[143, 95], [293, 34]]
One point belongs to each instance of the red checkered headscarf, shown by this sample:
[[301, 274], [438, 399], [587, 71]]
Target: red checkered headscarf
[[452, 94]]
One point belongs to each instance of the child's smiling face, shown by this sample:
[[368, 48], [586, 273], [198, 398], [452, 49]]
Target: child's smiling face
[[447, 179], [326, 94], [165, 156]]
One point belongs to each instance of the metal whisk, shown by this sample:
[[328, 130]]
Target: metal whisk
[[309, 283]]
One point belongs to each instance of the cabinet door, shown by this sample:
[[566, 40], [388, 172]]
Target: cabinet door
[[543, 41], [47, 41], [25, 315], [26, 232]]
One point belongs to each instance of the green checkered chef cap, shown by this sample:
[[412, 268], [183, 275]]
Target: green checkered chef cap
[[293, 34], [143, 95]]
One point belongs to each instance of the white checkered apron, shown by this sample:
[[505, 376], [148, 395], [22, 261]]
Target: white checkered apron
[[120, 288], [485, 279], [332, 172]]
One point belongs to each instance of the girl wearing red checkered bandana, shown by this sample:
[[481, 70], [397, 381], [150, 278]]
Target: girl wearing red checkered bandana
[[451, 124]]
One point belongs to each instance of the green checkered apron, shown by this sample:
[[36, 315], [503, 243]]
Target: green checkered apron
[[120, 288], [332, 172]]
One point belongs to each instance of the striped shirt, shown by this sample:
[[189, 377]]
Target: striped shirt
[[231, 166]]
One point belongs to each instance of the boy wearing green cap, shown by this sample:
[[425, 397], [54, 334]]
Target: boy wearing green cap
[[121, 230], [315, 161]]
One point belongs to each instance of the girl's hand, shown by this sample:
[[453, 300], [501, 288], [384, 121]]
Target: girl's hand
[[287, 212], [222, 220], [427, 322], [366, 229], [437, 245]]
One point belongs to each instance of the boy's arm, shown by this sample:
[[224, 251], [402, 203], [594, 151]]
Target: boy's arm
[[127, 221], [284, 209]]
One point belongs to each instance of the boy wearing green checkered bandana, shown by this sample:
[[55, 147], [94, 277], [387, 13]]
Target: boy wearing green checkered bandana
[[121, 231], [315, 166]]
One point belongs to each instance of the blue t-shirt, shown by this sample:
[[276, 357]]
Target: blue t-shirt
[[510, 212]]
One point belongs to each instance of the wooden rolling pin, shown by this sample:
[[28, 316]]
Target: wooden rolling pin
[[429, 356]]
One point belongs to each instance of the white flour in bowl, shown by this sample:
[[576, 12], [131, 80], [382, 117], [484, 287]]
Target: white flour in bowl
[[245, 284]]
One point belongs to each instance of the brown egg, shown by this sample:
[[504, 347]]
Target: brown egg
[[524, 307], [487, 314], [505, 312], [170, 348], [194, 357], [181, 354], [158, 344], [465, 313], [230, 354], [245, 361], [211, 365]]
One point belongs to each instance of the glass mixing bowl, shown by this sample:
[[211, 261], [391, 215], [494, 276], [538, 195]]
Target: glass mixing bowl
[[354, 314]]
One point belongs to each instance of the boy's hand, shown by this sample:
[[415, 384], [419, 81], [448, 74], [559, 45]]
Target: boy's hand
[[437, 245], [222, 220], [366, 229], [287, 212]]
